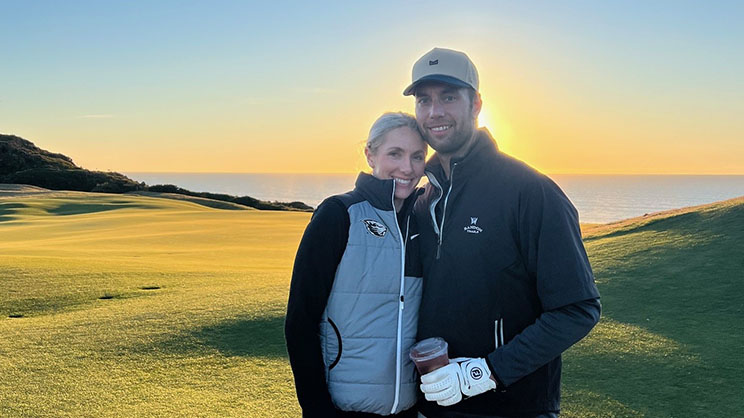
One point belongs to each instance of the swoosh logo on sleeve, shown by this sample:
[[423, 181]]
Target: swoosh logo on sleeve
[[414, 236]]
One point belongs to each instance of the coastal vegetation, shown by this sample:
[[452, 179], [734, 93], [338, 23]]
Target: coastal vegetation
[[22, 162], [131, 305]]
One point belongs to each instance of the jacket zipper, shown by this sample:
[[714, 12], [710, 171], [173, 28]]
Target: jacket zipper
[[437, 228], [432, 206], [398, 344]]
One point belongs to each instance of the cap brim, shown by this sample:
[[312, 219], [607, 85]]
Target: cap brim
[[439, 78]]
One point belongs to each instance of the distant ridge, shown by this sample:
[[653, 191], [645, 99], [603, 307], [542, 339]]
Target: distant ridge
[[22, 162], [593, 231]]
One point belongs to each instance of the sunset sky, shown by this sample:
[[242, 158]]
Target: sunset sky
[[621, 87]]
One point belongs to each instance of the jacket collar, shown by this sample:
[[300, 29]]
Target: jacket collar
[[379, 193]]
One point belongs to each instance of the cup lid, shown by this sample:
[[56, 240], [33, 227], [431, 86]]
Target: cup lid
[[428, 348]]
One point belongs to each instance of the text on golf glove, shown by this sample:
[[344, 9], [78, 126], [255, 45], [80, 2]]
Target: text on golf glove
[[463, 376]]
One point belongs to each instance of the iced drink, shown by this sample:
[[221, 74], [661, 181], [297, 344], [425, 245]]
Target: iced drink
[[429, 354]]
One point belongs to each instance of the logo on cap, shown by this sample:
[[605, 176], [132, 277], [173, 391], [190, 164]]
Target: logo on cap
[[456, 69]]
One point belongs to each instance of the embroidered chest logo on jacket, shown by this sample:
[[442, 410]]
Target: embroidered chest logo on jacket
[[473, 228], [375, 228]]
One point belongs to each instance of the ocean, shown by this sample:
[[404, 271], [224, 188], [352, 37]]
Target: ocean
[[598, 198]]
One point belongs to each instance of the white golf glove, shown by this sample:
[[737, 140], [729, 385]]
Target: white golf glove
[[463, 376]]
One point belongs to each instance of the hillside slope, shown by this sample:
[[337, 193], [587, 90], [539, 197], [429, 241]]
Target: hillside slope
[[669, 343], [23, 163], [18, 154]]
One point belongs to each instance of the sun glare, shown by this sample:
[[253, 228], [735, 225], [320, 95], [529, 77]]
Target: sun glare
[[484, 119], [499, 128]]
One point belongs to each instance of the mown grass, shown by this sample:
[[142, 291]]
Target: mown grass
[[194, 323], [116, 305]]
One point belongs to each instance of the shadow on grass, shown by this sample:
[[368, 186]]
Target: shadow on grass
[[249, 337], [55, 304], [80, 208], [9, 209], [653, 380], [36, 306]]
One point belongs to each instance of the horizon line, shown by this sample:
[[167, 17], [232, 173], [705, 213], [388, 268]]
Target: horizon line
[[357, 172]]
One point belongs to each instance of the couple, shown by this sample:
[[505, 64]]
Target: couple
[[487, 256]]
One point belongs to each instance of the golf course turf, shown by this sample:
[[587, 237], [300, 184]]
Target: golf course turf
[[129, 305]]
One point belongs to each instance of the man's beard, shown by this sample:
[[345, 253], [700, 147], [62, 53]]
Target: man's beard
[[455, 144]]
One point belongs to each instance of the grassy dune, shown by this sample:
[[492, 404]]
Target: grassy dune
[[122, 305]]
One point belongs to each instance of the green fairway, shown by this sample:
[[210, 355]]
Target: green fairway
[[124, 305], [140, 306]]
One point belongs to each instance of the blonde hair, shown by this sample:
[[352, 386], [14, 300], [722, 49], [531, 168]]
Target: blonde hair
[[386, 123]]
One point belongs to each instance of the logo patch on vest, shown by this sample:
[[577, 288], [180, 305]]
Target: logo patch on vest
[[375, 228], [473, 228]]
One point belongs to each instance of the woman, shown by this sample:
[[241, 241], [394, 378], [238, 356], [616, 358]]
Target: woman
[[356, 288]]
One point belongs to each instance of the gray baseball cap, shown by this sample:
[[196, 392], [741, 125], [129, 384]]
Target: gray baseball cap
[[444, 66]]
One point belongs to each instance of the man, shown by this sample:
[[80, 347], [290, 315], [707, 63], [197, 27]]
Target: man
[[507, 282]]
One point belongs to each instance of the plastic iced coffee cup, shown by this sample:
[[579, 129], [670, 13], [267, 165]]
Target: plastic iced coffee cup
[[429, 354]]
